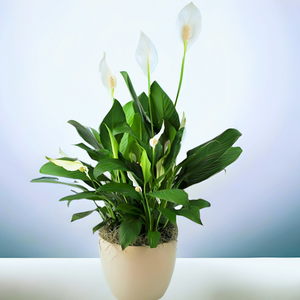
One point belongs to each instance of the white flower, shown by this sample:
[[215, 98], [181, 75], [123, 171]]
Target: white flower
[[158, 200], [183, 121], [108, 79], [146, 54], [70, 165], [155, 139], [189, 24], [134, 182]]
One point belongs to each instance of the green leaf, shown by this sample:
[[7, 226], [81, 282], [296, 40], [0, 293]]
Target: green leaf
[[129, 208], [113, 142], [140, 109], [226, 140], [122, 188], [217, 166], [87, 134], [55, 180], [107, 165], [208, 159], [176, 196], [153, 237], [97, 227], [129, 112], [163, 107], [82, 215], [200, 203], [91, 152], [83, 195], [146, 167], [174, 150], [129, 231], [169, 214], [204, 156], [114, 117], [191, 213], [52, 169]]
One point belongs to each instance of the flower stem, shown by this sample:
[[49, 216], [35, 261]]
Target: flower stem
[[112, 95], [149, 212], [181, 74], [150, 109]]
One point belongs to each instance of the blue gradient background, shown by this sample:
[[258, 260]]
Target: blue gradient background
[[243, 72]]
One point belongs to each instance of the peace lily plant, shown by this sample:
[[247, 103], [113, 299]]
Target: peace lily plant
[[135, 175]]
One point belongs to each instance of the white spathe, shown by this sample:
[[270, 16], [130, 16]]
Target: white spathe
[[108, 79], [155, 139], [134, 182], [70, 165], [189, 24], [146, 53]]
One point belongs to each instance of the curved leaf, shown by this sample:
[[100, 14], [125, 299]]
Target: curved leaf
[[163, 107], [217, 166], [191, 213], [153, 237], [122, 188], [82, 215], [55, 180], [97, 227], [170, 214], [87, 134], [129, 231], [176, 196], [107, 165]]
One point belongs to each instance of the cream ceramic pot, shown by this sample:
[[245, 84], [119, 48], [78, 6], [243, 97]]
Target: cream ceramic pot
[[138, 272]]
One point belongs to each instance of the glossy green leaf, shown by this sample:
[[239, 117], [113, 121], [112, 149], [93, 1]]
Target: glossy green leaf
[[55, 180], [191, 213], [84, 195], [176, 196], [129, 231], [153, 237], [82, 215], [129, 208], [129, 112], [91, 152], [107, 165], [226, 140], [217, 166], [163, 107], [138, 105], [200, 203], [174, 150], [122, 188], [97, 227], [87, 134], [170, 214], [114, 117], [146, 167]]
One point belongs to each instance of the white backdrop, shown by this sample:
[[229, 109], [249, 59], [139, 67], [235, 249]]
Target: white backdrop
[[242, 72]]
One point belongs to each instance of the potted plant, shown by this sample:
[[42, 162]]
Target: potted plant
[[136, 177]]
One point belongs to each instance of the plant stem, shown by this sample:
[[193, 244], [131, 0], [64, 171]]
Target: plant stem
[[181, 74], [149, 91], [150, 217], [112, 95]]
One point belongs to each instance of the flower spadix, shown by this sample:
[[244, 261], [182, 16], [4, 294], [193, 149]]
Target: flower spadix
[[146, 54], [189, 24], [155, 139], [108, 79], [70, 165]]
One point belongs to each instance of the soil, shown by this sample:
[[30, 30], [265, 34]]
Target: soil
[[111, 235]]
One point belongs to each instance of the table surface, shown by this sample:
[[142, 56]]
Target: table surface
[[193, 279]]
